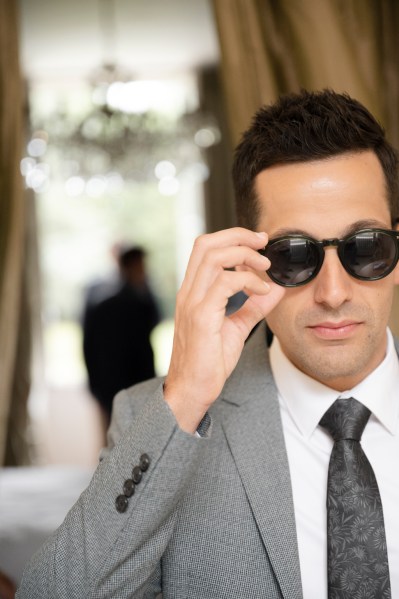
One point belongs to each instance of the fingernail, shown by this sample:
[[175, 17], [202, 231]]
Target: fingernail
[[261, 234]]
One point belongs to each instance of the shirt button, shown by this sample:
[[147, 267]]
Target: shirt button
[[128, 487], [121, 503], [144, 462], [136, 474]]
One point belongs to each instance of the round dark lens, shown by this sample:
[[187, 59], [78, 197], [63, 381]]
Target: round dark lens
[[369, 255], [294, 261]]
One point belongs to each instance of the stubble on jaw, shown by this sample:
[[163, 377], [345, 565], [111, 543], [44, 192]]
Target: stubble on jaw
[[338, 364]]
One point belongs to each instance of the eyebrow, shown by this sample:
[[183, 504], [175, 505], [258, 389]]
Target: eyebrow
[[352, 228]]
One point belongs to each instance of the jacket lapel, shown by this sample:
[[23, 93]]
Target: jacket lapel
[[254, 433]]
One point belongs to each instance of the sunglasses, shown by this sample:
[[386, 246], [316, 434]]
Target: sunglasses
[[368, 255]]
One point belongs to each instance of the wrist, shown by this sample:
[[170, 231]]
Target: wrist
[[187, 412]]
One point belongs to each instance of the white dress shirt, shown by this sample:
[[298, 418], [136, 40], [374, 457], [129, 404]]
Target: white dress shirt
[[303, 401]]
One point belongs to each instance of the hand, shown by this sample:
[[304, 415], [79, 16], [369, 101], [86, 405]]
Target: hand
[[207, 343], [7, 587]]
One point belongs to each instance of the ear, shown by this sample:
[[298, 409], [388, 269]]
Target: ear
[[396, 269]]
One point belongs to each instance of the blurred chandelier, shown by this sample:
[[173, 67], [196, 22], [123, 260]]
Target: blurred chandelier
[[130, 126]]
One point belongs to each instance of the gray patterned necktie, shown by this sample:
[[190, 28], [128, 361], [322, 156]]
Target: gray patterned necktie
[[356, 545]]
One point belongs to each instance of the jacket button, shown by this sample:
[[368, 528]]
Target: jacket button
[[144, 462], [136, 474], [128, 487], [121, 503]]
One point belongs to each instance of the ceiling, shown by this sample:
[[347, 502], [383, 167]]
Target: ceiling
[[70, 38]]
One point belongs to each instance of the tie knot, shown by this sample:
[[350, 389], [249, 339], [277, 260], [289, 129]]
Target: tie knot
[[346, 419]]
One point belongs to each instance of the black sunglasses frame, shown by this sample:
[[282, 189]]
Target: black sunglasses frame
[[340, 245]]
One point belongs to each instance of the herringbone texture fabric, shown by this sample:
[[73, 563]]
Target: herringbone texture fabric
[[357, 553]]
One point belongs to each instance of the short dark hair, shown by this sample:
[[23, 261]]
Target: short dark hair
[[308, 126], [130, 255]]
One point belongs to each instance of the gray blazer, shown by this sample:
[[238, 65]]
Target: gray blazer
[[211, 518]]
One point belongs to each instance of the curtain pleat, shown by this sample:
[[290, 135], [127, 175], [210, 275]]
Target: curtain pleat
[[247, 69], [12, 230]]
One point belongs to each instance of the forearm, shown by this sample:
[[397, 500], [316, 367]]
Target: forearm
[[101, 552]]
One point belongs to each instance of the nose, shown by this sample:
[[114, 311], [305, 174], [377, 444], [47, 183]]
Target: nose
[[333, 285]]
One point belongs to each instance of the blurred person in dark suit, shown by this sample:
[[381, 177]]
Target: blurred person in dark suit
[[116, 332]]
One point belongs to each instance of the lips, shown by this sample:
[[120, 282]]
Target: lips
[[335, 330]]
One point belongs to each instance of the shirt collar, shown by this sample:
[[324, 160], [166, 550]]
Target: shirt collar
[[307, 400]]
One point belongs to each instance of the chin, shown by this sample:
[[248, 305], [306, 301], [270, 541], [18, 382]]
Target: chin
[[339, 372]]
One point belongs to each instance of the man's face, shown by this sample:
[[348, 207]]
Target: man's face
[[333, 328]]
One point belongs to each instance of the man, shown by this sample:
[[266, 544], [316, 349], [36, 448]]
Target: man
[[226, 464], [116, 332]]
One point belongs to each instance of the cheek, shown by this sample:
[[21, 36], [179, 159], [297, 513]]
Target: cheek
[[382, 303], [281, 319], [378, 295]]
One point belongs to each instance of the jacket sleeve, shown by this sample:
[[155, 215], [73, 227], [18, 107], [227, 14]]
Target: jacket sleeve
[[100, 552]]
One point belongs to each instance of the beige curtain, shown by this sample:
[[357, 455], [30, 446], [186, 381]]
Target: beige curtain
[[218, 214], [270, 47], [14, 328]]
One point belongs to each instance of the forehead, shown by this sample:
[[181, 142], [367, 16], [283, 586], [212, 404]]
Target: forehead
[[323, 196]]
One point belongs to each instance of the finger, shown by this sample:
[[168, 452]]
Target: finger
[[217, 260], [227, 238], [210, 312], [256, 308]]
